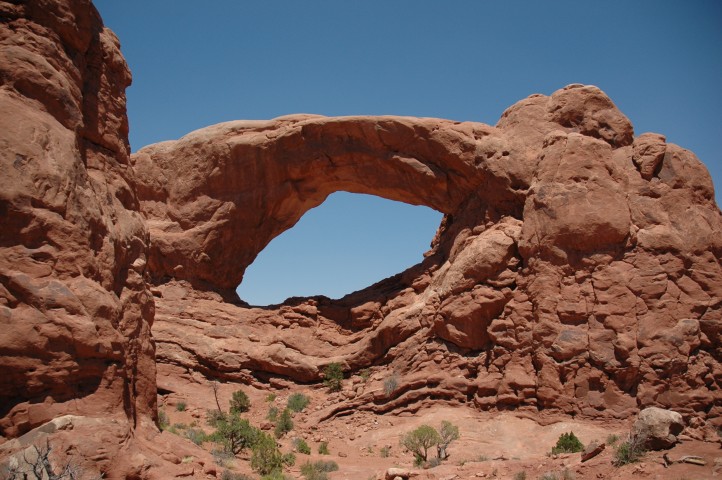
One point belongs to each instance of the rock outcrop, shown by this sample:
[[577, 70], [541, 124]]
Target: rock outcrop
[[657, 429], [577, 267]]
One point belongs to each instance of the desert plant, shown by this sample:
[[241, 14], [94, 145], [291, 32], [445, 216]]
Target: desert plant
[[447, 434], [391, 384], [284, 424], [215, 387], [567, 475], [163, 421], [272, 414], [520, 476], [612, 439], [419, 441], [333, 376], [213, 417], [235, 434], [270, 397], [297, 402], [365, 374], [180, 406], [318, 470], [240, 402], [323, 448], [385, 451], [629, 451], [568, 443], [228, 475], [266, 458], [549, 476], [300, 445], [38, 464], [196, 435]]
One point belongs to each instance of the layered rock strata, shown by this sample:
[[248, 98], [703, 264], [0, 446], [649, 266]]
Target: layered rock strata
[[577, 268]]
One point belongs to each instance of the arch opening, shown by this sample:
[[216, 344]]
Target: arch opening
[[347, 243]]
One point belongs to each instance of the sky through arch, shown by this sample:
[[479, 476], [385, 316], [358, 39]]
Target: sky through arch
[[345, 244]]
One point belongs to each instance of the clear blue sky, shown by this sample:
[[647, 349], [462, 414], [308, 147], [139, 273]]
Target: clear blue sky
[[199, 63]]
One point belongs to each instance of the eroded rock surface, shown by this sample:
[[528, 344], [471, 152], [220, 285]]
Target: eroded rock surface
[[577, 267]]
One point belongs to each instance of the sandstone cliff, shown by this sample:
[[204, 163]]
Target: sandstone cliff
[[577, 268]]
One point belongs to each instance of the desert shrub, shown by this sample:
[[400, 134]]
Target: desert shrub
[[180, 406], [520, 476], [419, 441], [323, 448], [434, 462], [301, 446], [163, 421], [284, 424], [612, 439], [266, 458], [196, 435], [568, 443], [385, 451], [214, 416], [228, 475], [627, 452], [240, 402], [318, 470], [365, 374], [297, 402], [270, 397], [333, 376], [272, 414], [235, 434], [567, 475], [180, 426], [391, 384], [549, 476], [222, 457], [447, 434]]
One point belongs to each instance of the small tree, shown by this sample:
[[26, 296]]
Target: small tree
[[240, 402], [333, 376], [267, 459], [420, 440], [568, 443], [447, 434], [284, 424], [235, 433]]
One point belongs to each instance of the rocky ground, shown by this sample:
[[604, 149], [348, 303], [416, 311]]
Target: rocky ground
[[491, 445]]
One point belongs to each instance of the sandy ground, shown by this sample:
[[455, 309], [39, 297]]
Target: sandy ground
[[507, 445]]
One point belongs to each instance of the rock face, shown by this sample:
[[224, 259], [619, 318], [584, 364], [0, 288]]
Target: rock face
[[75, 310], [577, 268]]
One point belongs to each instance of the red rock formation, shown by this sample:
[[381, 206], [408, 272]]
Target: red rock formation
[[576, 269]]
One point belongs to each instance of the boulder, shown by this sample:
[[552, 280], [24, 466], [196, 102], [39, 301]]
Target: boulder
[[657, 428]]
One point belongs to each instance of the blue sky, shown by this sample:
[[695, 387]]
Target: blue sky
[[199, 63]]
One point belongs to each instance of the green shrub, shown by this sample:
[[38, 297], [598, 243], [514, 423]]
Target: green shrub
[[284, 424], [520, 476], [568, 443], [301, 446], [163, 421], [180, 406], [365, 374], [333, 376], [214, 416], [447, 434], [391, 384], [196, 435], [612, 439], [297, 402], [272, 414], [419, 441], [627, 452], [235, 433], [323, 448], [267, 459], [270, 397], [240, 402], [385, 451], [318, 470], [228, 475]]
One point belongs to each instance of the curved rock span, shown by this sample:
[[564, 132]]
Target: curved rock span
[[577, 267]]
